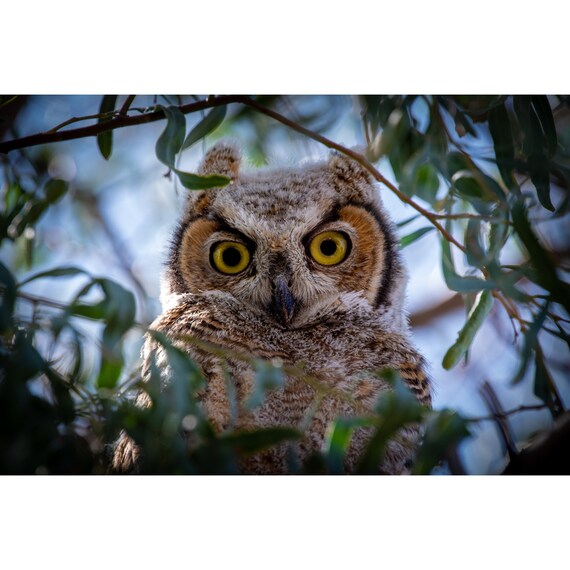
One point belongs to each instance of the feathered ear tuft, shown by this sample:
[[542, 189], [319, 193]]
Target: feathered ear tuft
[[347, 169], [223, 158]]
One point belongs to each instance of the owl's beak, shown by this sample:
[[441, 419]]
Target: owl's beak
[[284, 304]]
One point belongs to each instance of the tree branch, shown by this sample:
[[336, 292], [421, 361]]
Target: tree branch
[[116, 123]]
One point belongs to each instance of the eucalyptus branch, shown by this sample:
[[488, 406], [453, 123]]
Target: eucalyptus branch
[[79, 119]]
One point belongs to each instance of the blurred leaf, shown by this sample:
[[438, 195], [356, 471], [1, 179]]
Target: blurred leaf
[[267, 376], [500, 128], [55, 189], [197, 182], [411, 238], [395, 409], [207, 125], [444, 429], [475, 319], [7, 297], [544, 114], [105, 139], [456, 161], [530, 342], [337, 442], [169, 142], [57, 272], [253, 441]]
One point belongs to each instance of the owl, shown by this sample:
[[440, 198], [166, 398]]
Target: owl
[[297, 264]]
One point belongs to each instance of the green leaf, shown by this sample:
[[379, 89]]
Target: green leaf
[[55, 189], [197, 182], [395, 409], [453, 280], [7, 297], [248, 442], [207, 125], [475, 319], [501, 132], [443, 430], [407, 221], [169, 142], [541, 258], [105, 139], [67, 271], [544, 113], [337, 442], [542, 379], [530, 342], [536, 144], [411, 238]]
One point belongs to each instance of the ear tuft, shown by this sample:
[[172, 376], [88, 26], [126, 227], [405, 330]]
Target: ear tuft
[[223, 158], [348, 170]]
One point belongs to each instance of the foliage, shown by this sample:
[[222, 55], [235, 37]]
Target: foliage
[[57, 416]]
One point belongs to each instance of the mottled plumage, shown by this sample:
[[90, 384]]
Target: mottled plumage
[[317, 281]]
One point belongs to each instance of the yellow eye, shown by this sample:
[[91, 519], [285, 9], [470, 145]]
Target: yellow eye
[[329, 248], [230, 257]]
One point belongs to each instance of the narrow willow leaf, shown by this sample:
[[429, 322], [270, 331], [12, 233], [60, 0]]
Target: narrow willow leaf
[[206, 126], [475, 319], [535, 146], [541, 259], [67, 271], [407, 221], [205, 182], [55, 189], [414, 236], [105, 139], [171, 139], [501, 132], [544, 114]]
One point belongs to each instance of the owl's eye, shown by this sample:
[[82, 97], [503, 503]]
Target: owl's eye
[[329, 248], [230, 257]]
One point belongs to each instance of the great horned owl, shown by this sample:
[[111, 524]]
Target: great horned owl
[[300, 264]]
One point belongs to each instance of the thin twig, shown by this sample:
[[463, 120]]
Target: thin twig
[[503, 415]]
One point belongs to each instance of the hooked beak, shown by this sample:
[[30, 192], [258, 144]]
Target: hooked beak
[[283, 306]]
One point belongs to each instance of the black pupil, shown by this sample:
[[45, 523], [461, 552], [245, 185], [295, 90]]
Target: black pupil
[[231, 256], [328, 247]]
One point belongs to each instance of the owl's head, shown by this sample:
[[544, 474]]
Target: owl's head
[[287, 242]]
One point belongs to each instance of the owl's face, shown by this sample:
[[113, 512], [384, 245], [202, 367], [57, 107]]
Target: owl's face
[[286, 242]]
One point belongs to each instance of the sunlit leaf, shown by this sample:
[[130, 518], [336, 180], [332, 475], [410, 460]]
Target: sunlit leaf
[[197, 182], [475, 319]]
